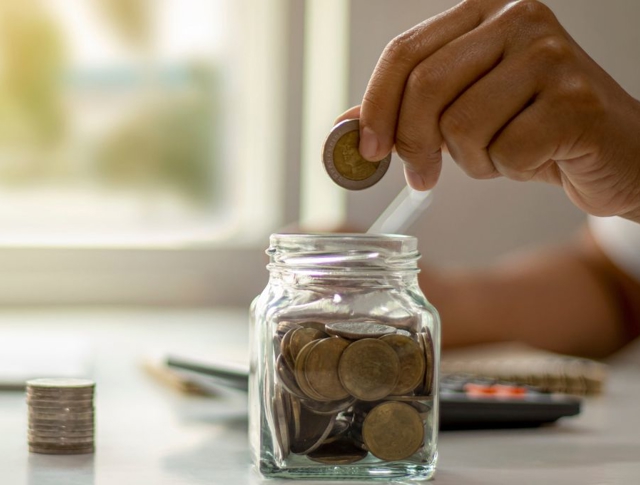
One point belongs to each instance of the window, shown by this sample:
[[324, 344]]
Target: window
[[128, 122], [139, 144], [148, 148]]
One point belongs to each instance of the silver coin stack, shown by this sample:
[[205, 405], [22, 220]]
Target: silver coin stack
[[61, 416]]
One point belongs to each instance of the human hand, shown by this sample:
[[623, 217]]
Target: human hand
[[505, 89]]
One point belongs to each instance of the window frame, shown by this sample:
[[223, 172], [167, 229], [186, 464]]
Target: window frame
[[220, 272]]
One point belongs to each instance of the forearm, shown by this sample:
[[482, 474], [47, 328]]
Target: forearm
[[557, 299]]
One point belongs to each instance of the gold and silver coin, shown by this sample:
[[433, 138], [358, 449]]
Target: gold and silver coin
[[343, 161]]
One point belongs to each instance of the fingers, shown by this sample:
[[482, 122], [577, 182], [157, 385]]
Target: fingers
[[464, 93], [504, 126], [473, 120], [351, 113], [381, 103], [527, 147], [551, 127], [432, 86]]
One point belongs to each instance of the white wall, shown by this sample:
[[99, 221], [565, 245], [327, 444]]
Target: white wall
[[471, 222]]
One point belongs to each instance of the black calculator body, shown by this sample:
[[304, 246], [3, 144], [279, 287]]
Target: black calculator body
[[468, 402]]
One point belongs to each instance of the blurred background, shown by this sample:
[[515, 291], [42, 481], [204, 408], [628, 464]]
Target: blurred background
[[149, 148], [111, 116]]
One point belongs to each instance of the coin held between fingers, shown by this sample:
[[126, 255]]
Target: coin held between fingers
[[343, 161]]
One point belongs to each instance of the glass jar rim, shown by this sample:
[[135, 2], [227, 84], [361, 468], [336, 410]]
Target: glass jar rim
[[343, 252], [397, 242]]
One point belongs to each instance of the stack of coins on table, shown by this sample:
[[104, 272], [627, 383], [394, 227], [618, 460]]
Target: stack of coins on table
[[347, 389], [61, 416]]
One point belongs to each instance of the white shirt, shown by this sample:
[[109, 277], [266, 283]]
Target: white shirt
[[620, 240]]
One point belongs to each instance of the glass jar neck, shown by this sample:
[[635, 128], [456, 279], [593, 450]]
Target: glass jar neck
[[340, 258]]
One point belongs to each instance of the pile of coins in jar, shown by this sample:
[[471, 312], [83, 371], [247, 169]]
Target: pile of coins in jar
[[344, 390]]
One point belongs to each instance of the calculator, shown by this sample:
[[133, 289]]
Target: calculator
[[466, 402]]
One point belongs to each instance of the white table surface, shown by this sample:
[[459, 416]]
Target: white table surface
[[148, 434]]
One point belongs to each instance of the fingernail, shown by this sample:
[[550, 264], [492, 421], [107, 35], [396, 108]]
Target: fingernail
[[368, 144], [414, 179]]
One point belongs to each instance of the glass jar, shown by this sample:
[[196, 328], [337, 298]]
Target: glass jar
[[344, 361]]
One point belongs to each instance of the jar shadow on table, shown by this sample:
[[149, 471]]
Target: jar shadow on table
[[43, 468]]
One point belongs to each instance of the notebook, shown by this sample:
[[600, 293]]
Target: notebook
[[526, 365]]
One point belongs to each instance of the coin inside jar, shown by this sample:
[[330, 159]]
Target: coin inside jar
[[287, 378], [340, 427], [429, 358], [281, 416], [311, 430], [311, 324], [285, 348], [330, 407], [412, 362], [368, 369], [393, 431], [343, 161], [284, 327], [358, 330], [339, 452], [301, 376], [301, 337], [321, 368]]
